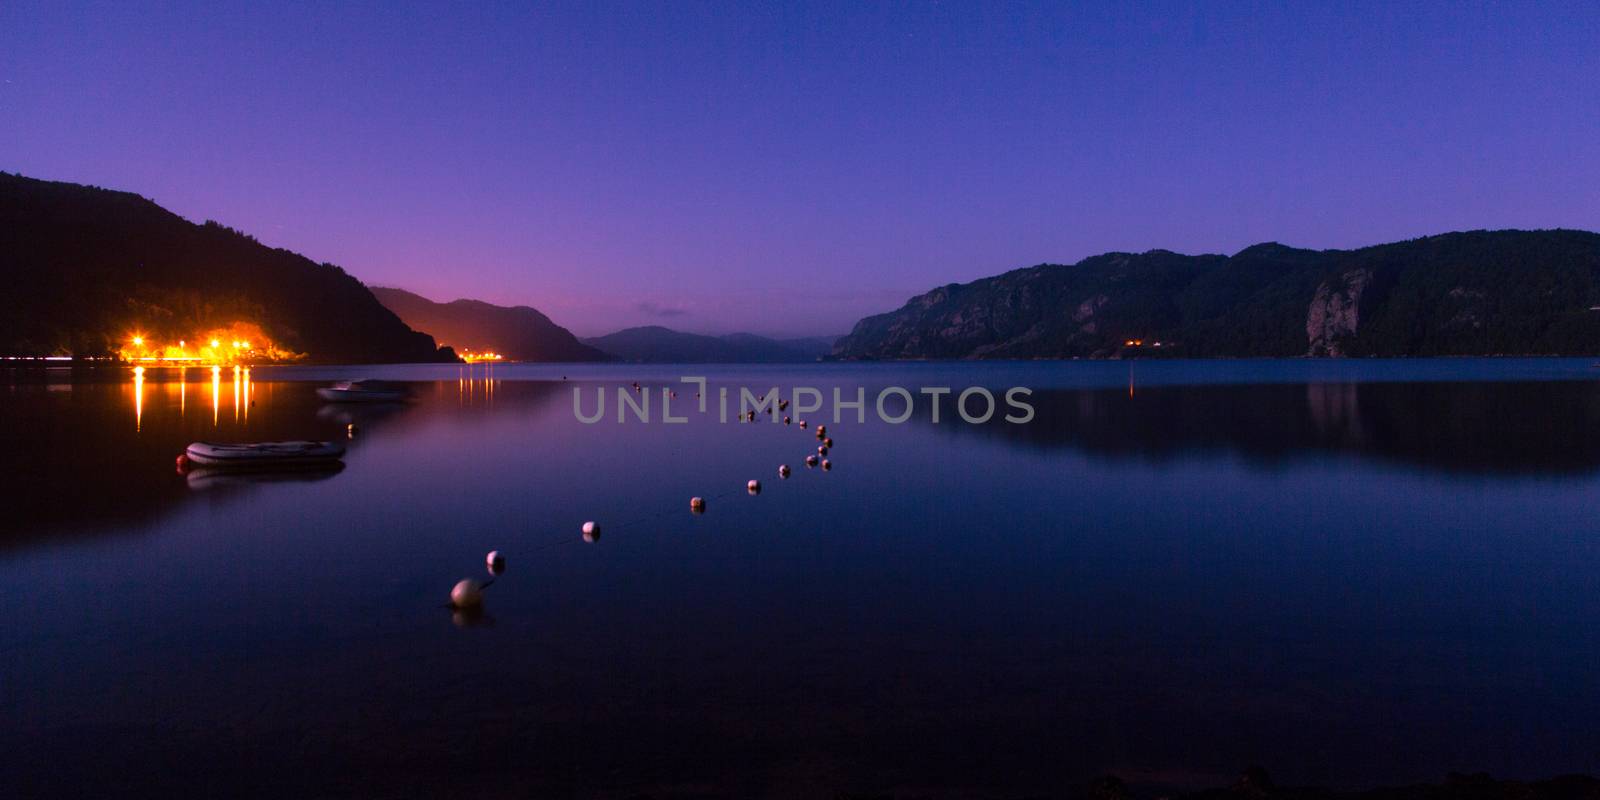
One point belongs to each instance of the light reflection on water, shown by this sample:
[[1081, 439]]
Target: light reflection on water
[[1331, 570]]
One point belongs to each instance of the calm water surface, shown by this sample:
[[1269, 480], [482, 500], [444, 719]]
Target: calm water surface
[[1352, 573]]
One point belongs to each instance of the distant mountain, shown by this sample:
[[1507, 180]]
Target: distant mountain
[[1475, 293], [85, 269], [519, 333], [663, 345]]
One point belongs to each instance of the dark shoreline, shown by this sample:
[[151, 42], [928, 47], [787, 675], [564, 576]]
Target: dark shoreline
[[1256, 784]]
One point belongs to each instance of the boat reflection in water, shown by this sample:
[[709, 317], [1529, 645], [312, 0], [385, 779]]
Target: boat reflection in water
[[208, 478]]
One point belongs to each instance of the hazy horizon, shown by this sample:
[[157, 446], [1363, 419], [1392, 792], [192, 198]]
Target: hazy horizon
[[787, 171]]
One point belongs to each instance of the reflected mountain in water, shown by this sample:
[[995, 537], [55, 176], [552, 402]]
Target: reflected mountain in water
[[1512, 428]]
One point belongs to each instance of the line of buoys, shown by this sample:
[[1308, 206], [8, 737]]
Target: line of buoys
[[466, 594], [466, 597]]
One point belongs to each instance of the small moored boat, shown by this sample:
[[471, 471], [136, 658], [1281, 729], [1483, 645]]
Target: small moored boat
[[264, 455], [364, 392]]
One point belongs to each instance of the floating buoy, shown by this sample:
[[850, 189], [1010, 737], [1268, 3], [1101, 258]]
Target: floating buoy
[[819, 434], [591, 531], [183, 463], [753, 487], [802, 423], [783, 405], [496, 562], [828, 442], [466, 594], [826, 464], [822, 430], [751, 416], [786, 420], [697, 505], [811, 461], [783, 470], [822, 449]]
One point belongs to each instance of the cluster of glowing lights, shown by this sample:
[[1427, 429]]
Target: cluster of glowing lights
[[240, 342], [1139, 343], [472, 358]]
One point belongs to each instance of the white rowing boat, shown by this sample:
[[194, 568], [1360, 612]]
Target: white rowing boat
[[364, 392], [264, 455]]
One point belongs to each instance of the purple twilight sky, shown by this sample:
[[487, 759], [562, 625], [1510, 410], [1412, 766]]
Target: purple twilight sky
[[787, 169]]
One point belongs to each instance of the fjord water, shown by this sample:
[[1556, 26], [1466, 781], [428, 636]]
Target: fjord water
[[1350, 573]]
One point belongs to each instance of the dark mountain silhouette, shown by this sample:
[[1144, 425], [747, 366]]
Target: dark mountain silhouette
[[1474, 293], [656, 344], [519, 333], [83, 267]]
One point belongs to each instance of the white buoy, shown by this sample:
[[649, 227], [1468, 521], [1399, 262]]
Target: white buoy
[[826, 464], [783, 470], [786, 420], [591, 531], [495, 562], [802, 423], [811, 461], [828, 442], [822, 429], [822, 449], [753, 487], [697, 505], [466, 594]]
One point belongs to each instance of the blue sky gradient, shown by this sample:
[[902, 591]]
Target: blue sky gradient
[[787, 169]]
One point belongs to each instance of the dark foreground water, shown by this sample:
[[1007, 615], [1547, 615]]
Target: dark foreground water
[[1351, 573]]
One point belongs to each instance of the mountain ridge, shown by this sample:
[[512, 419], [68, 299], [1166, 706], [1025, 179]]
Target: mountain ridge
[[105, 268], [520, 332], [1462, 293], [660, 344]]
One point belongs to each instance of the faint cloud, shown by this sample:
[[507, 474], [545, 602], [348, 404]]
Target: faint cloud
[[658, 310]]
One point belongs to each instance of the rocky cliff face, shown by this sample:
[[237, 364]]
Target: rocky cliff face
[[1335, 312], [1480, 292]]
